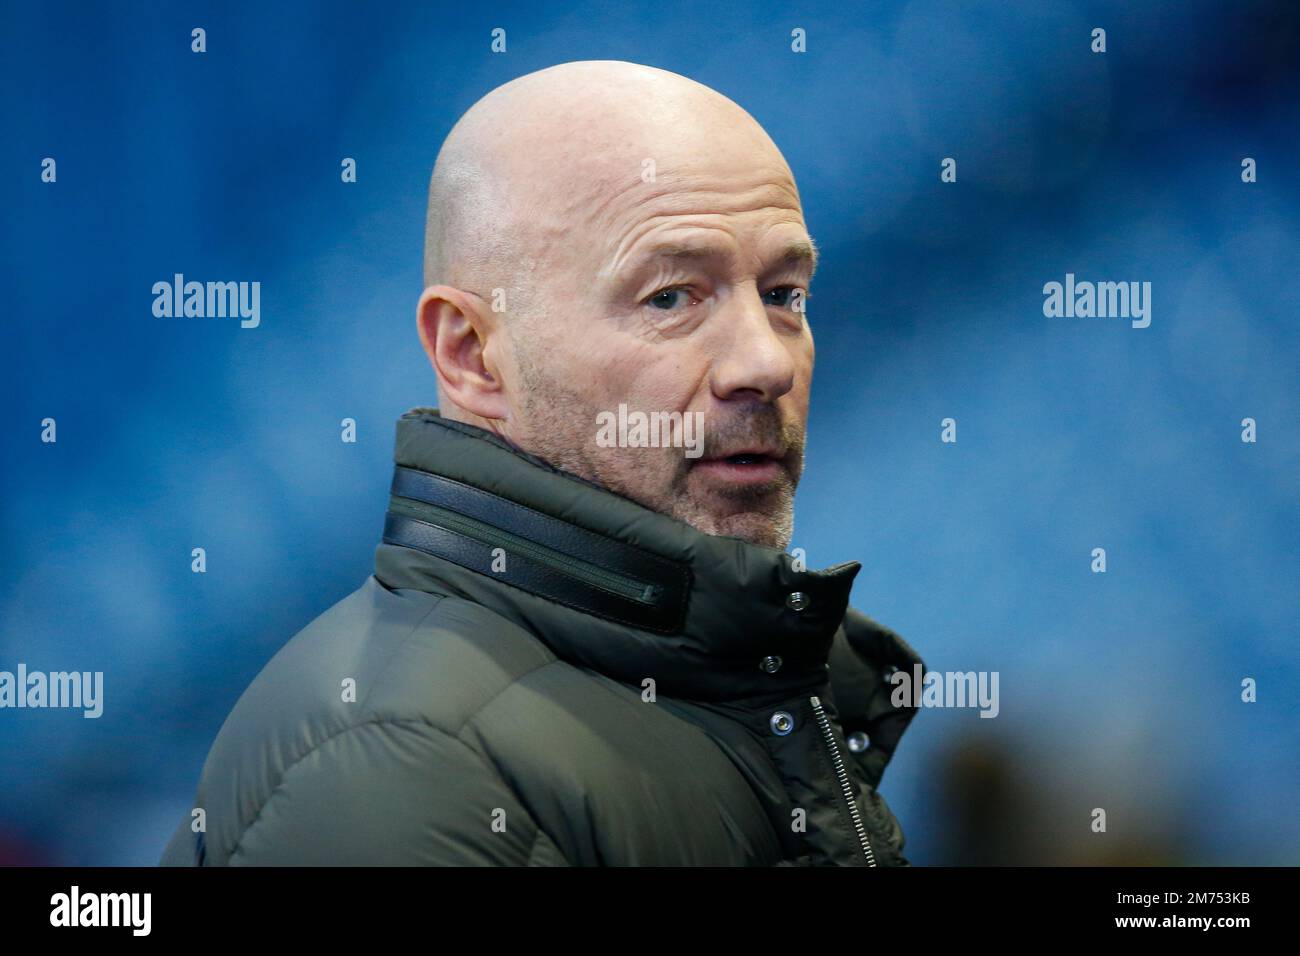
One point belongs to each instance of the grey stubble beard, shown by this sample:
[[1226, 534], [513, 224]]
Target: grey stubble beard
[[561, 426]]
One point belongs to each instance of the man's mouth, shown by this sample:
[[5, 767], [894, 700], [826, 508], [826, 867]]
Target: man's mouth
[[742, 468]]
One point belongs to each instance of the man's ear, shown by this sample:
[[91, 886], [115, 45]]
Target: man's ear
[[461, 337]]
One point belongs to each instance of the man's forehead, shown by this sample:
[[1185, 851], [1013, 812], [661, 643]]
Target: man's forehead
[[614, 208], [592, 187], [599, 174], [697, 216]]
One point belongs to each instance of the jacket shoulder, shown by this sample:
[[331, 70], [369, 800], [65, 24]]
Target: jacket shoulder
[[352, 729]]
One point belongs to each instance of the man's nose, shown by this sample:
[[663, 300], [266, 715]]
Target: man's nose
[[754, 357]]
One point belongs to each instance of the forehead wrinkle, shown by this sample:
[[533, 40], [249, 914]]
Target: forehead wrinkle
[[628, 249], [675, 192], [689, 208]]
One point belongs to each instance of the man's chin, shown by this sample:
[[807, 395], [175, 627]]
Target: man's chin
[[760, 513], [761, 530], [769, 527]]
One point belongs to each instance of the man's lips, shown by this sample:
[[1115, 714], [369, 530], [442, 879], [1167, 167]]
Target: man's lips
[[742, 468]]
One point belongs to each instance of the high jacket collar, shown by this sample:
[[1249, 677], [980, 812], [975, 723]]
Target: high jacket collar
[[603, 581]]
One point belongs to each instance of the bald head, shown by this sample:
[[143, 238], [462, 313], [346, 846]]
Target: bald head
[[535, 157]]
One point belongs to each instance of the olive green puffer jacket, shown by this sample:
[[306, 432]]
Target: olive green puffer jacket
[[542, 672]]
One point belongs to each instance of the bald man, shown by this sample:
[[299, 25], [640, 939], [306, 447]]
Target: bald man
[[584, 642]]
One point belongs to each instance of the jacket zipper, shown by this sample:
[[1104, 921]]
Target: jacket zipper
[[631, 588], [841, 775]]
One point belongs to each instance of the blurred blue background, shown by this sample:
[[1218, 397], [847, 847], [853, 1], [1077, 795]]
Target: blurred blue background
[[1118, 690]]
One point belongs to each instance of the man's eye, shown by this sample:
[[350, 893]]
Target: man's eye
[[781, 296], [667, 299]]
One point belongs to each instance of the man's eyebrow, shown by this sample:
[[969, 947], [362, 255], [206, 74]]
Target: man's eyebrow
[[798, 251], [678, 250], [801, 251]]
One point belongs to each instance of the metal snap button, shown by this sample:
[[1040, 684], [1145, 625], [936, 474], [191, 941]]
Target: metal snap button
[[782, 723], [796, 601], [857, 741], [771, 664]]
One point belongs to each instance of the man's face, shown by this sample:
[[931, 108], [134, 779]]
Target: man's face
[[678, 295]]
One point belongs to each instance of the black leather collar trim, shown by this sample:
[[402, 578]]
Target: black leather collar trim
[[551, 558]]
